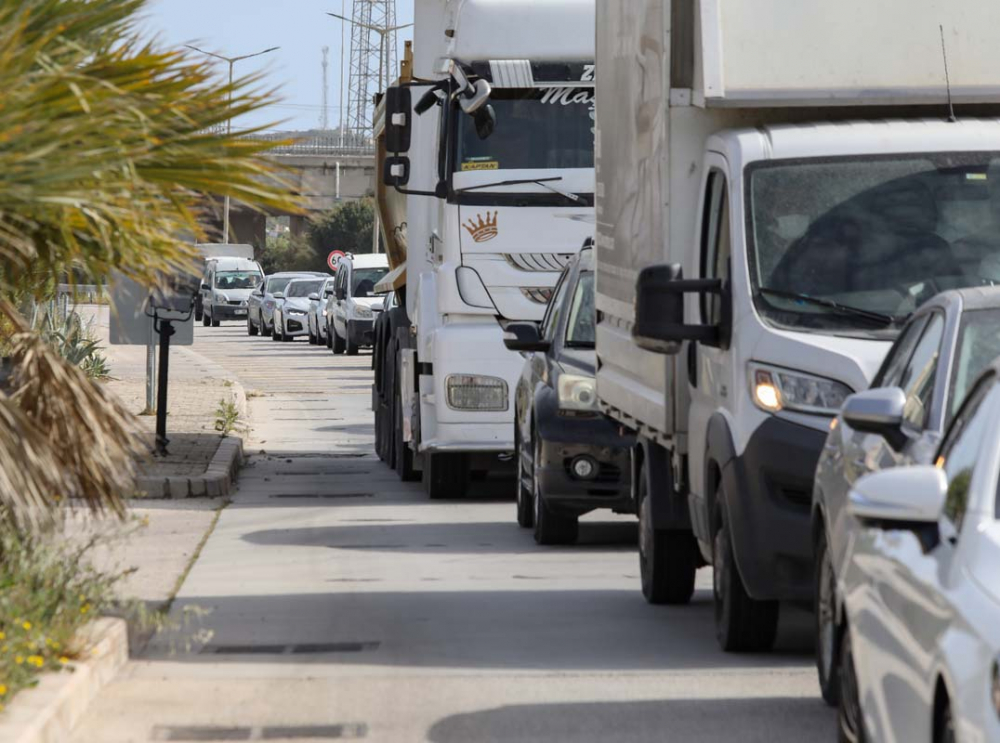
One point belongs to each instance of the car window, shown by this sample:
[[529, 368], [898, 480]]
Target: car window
[[895, 362], [978, 344], [920, 375], [304, 288], [715, 244], [960, 451], [278, 284], [581, 330], [551, 319]]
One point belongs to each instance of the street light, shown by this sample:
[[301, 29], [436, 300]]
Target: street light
[[229, 122]]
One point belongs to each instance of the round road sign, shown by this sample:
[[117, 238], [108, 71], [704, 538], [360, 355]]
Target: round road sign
[[332, 259]]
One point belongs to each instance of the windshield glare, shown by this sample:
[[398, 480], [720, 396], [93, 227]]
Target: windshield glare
[[581, 328], [877, 234], [304, 288], [237, 280], [363, 280], [539, 128]]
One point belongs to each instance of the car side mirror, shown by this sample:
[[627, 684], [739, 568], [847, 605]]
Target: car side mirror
[[900, 498], [659, 311], [314, 297], [398, 110], [879, 411], [278, 295], [341, 293], [525, 337], [204, 286]]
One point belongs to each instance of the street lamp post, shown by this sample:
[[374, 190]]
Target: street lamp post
[[229, 122]]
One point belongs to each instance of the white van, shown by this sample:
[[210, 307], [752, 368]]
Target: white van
[[352, 309], [226, 288]]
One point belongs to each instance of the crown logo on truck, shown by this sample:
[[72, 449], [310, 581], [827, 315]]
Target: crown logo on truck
[[486, 229]]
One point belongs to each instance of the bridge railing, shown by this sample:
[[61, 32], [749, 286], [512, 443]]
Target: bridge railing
[[299, 143]]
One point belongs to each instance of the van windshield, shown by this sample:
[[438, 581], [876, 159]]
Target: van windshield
[[363, 280], [237, 280], [859, 243]]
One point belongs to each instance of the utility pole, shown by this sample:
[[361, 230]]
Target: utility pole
[[343, 28], [229, 122], [324, 119]]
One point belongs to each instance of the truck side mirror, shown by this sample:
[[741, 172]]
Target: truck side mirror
[[396, 171], [659, 310], [398, 110], [525, 337]]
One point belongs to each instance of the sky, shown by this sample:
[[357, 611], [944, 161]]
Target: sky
[[300, 27]]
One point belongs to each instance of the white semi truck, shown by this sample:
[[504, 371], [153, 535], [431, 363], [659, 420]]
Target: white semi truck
[[486, 189], [779, 185]]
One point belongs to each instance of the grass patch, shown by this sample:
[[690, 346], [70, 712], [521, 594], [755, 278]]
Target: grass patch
[[48, 591], [227, 415]]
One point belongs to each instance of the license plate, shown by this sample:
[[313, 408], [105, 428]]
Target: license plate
[[241, 312]]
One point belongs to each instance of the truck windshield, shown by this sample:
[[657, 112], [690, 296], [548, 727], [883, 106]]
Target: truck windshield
[[237, 280], [544, 128], [859, 243]]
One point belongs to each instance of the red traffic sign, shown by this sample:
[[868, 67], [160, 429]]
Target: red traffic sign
[[331, 259]]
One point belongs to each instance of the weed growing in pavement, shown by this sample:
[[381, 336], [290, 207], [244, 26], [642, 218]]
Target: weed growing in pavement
[[227, 415], [48, 591]]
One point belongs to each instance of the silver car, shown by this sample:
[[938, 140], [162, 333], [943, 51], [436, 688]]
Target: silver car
[[899, 421], [922, 590], [317, 313], [260, 306], [291, 309]]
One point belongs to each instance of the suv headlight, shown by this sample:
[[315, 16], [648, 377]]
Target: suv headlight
[[577, 393], [362, 313], [773, 389], [474, 392]]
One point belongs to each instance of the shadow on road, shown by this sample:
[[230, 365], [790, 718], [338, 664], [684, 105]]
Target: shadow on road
[[758, 720]]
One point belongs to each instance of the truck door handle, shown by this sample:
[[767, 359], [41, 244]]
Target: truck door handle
[[692, 360]]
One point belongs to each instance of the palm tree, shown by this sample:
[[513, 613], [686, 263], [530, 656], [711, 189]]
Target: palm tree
[[109, 149]]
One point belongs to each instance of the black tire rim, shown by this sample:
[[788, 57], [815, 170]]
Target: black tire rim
[[826, 616]]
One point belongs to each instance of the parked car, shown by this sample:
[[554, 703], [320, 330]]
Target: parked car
[[921, 595], [317, 313], [291, 311], [260, 307], [570, 458], [214, 251], [899, 421], [226, 287], [352, 308]]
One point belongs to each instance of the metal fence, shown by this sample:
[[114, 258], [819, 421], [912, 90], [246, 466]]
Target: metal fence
[[307, 143]]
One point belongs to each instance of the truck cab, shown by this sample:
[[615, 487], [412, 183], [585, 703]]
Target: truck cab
[[486, 151]]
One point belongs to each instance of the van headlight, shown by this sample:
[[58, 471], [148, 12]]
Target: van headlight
[[577, 393], [773, 389], [220, 297], [362, 313], [474, 392]]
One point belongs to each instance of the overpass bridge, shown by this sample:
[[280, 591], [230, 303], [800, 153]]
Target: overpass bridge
[[322, 170]]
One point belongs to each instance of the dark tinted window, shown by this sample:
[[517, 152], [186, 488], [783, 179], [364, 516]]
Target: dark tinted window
[[237, 279], [551, 319], [581, 328]]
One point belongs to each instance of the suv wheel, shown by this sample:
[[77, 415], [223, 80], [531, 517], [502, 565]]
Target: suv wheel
[[742, 624], [551, 526], [337, 343]]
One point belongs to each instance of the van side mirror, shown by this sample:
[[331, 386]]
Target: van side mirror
[[341, 293], [398, 111], [659, 310], [525, 337], [879, 411]]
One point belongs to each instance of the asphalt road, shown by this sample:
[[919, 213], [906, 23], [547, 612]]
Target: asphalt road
[[333, 602]]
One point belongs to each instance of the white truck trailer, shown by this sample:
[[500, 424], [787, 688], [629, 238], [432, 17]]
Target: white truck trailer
[[779, 184], [487, 189]]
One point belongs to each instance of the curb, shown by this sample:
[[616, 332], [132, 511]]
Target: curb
[[49, 712], [217, 482]]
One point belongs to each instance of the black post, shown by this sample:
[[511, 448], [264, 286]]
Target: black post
[[166, 329]]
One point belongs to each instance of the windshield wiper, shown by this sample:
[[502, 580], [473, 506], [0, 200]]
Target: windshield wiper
[[543, 182], [844, 309]]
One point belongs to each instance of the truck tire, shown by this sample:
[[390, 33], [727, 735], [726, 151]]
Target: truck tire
[[551, 526], [668, 560], [445, 476], [402, 453], [742, 624], [350, 348], [525, 506], [827, 625]]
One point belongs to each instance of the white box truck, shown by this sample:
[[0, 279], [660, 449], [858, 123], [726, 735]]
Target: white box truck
[[779, 185], [486, 189]]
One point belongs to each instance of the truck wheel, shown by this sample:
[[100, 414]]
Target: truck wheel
[[338, 343], [551, 526], [742, 624], [827, 629], [667, 559], [525, 508], [445, 476], [403, 454], [251, 328], [350, 348]]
